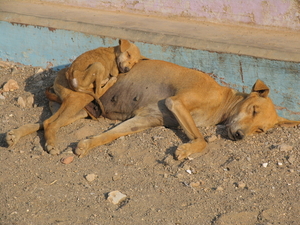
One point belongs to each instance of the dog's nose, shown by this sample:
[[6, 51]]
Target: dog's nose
[[239, 135], [126, 69]]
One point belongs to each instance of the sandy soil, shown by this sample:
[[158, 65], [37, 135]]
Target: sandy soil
[[254, 181]]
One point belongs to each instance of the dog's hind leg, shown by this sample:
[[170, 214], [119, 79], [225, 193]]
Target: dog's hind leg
[[184, 118], [13, 136], [70, 111], [133, 125]]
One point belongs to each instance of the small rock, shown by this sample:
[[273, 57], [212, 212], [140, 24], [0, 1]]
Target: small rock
[[189, 171], [68, 150], [30, 101], [4, 64], [15, 71], [35, 156], [291, 159], [116, 197], [195, 184], [67, 160], [279, 163], [10, 85], [219, 188], [211, 138], [2, 97], [38, 71], [179, 176], [241, 185], [155, 138], [116, 177], [285, 147], [21, 102], [265, 164], [90, 177]]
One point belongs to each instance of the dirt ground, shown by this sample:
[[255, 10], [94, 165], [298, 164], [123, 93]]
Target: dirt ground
[[253, 181]]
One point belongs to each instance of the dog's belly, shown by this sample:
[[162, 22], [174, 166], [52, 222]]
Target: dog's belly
[[128, 97]]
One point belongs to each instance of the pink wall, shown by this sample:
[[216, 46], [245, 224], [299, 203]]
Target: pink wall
[[275, 13]]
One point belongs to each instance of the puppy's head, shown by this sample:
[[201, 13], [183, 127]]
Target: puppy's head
[[128, 55]]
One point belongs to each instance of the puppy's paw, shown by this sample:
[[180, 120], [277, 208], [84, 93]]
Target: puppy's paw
[[183, 151], [12, 138], [52, 150]]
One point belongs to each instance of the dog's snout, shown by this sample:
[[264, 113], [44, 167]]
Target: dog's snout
[[239, 135]]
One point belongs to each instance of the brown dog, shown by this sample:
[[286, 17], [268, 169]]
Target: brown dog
[[156, 93], [91, 71]]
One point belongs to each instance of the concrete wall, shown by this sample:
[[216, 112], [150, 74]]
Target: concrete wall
[[273, 13], [58, 48], [52, 35]]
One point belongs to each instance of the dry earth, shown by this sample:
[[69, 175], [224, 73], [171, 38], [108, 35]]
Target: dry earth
[[254, 181]]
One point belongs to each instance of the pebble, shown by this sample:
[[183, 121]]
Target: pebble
[[35, 156], [30, 101], [116, 177], [241, 185], [211, 138], [10, 85], [291, 159], [116, 197], [38, 71], [67, 160], [69, 150], [285, 147], [21, 102], [15, 71], [265, 164], [219, 188], [4, 64], [189, 171], [195, 184], [90, 177]]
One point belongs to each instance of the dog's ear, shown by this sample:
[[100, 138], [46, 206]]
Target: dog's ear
[[261, 88], [124, 45], [144, 58], [286, 123]]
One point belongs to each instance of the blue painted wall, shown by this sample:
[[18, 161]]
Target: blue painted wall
[[45, 47]]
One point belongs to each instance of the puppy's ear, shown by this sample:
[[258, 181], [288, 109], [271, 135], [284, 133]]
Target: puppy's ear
[[261, 88], [124, 45]]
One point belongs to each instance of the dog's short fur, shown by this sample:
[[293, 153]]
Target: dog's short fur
[[156, 93], [91, 71]]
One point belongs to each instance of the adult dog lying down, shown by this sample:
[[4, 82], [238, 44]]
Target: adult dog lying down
[[156, 93]]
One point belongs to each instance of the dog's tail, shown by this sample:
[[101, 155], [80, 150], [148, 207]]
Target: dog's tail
[[52, 96]]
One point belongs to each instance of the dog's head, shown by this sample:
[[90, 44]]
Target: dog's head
[[128, 55], [255, 114]]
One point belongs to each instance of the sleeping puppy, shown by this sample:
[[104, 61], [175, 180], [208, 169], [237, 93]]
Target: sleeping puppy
[[95, 71]]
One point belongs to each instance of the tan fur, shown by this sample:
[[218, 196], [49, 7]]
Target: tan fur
[[91, 71], [163, 91]]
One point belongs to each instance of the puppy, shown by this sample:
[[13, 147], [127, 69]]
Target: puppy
[[95, 71]]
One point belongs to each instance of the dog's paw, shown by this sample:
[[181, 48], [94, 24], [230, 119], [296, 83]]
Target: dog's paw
[[52, 150], [183, 151], [12, 138], [82, 148]]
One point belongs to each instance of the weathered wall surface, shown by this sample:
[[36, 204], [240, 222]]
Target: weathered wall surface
[[58, 48], [273, 13], [53, 35]]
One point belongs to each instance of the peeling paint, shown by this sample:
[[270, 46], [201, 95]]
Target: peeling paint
[[40, 46]]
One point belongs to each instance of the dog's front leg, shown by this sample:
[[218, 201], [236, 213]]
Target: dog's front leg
[[133, 125], [184, 118]]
